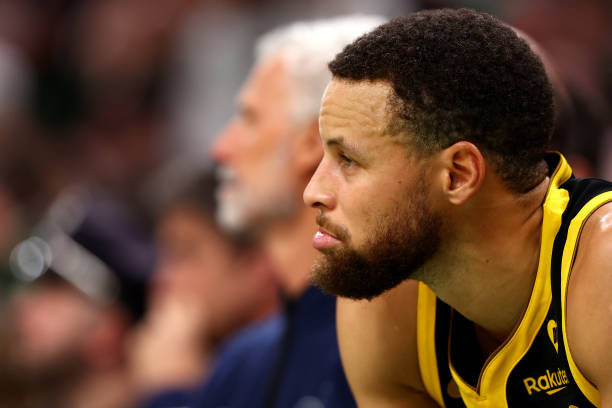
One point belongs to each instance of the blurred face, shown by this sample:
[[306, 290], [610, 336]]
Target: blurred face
[[198, 267], [254, 152], [376, 224], [51, 324]]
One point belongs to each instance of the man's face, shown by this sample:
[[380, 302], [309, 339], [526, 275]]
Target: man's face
[[194, 260], [52, 322], [376, 224], [254, 152], [197, 269]]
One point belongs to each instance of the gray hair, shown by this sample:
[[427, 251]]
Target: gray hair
[[307, 47]]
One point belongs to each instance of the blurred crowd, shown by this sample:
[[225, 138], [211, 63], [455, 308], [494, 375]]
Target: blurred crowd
[[108, 111]]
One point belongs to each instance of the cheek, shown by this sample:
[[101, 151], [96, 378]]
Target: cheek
[[358, 210], [252, 159], [246, 146], [367, 208]]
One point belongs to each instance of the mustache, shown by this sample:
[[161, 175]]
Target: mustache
[[337, 231]]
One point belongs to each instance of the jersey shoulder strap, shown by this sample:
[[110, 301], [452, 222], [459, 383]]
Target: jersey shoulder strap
[[586, 196]]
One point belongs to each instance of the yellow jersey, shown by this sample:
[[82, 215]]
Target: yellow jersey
[[534, 366]]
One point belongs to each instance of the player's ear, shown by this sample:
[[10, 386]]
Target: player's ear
[[307, 148], [464, 167]]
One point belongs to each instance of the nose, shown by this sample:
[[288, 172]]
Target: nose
[[319, 192], [224, 144]]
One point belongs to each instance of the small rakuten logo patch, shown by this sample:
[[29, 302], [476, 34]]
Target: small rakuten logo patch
[[549, 383]]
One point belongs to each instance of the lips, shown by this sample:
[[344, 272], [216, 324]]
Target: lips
[[323, 239]]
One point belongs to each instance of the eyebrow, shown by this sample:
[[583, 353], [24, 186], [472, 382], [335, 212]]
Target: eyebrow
[[339, 141]]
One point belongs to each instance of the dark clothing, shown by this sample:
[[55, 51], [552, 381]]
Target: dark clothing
[[289, 361]]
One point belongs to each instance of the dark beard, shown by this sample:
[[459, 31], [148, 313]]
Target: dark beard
[[399, 247]]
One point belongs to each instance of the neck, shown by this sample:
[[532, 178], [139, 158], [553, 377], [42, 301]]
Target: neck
[[489, 273], [289, 244]]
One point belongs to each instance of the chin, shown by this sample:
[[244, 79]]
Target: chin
[[231, 219]]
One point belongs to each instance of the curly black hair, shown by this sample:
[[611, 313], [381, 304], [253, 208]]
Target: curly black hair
[[461, 75]]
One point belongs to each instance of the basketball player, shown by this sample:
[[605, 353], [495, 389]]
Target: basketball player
[[473, 269]]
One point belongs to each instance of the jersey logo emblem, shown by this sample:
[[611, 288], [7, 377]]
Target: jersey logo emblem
[[550, 383], [553, 333]]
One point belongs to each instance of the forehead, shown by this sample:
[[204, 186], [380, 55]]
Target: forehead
[[362, 104], [267, 82]]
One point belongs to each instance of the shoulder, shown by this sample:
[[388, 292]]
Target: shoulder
[[247, 352], [378, 346], [244, 360], [254, 339], [589, 300]]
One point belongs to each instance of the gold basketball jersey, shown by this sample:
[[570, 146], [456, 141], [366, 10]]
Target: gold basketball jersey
[[534, 366]]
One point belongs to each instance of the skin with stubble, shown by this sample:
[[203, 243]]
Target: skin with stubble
[[405, 231]]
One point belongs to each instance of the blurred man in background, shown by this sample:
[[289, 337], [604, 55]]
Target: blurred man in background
[[87, 266], [267, 154], [205, 287]]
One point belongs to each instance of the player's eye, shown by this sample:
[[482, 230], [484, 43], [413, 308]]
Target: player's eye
[[346, 161]]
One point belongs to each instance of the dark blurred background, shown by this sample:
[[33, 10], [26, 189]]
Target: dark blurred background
[[125, 96]]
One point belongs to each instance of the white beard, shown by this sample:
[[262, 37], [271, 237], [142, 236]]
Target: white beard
[[243, 209]]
